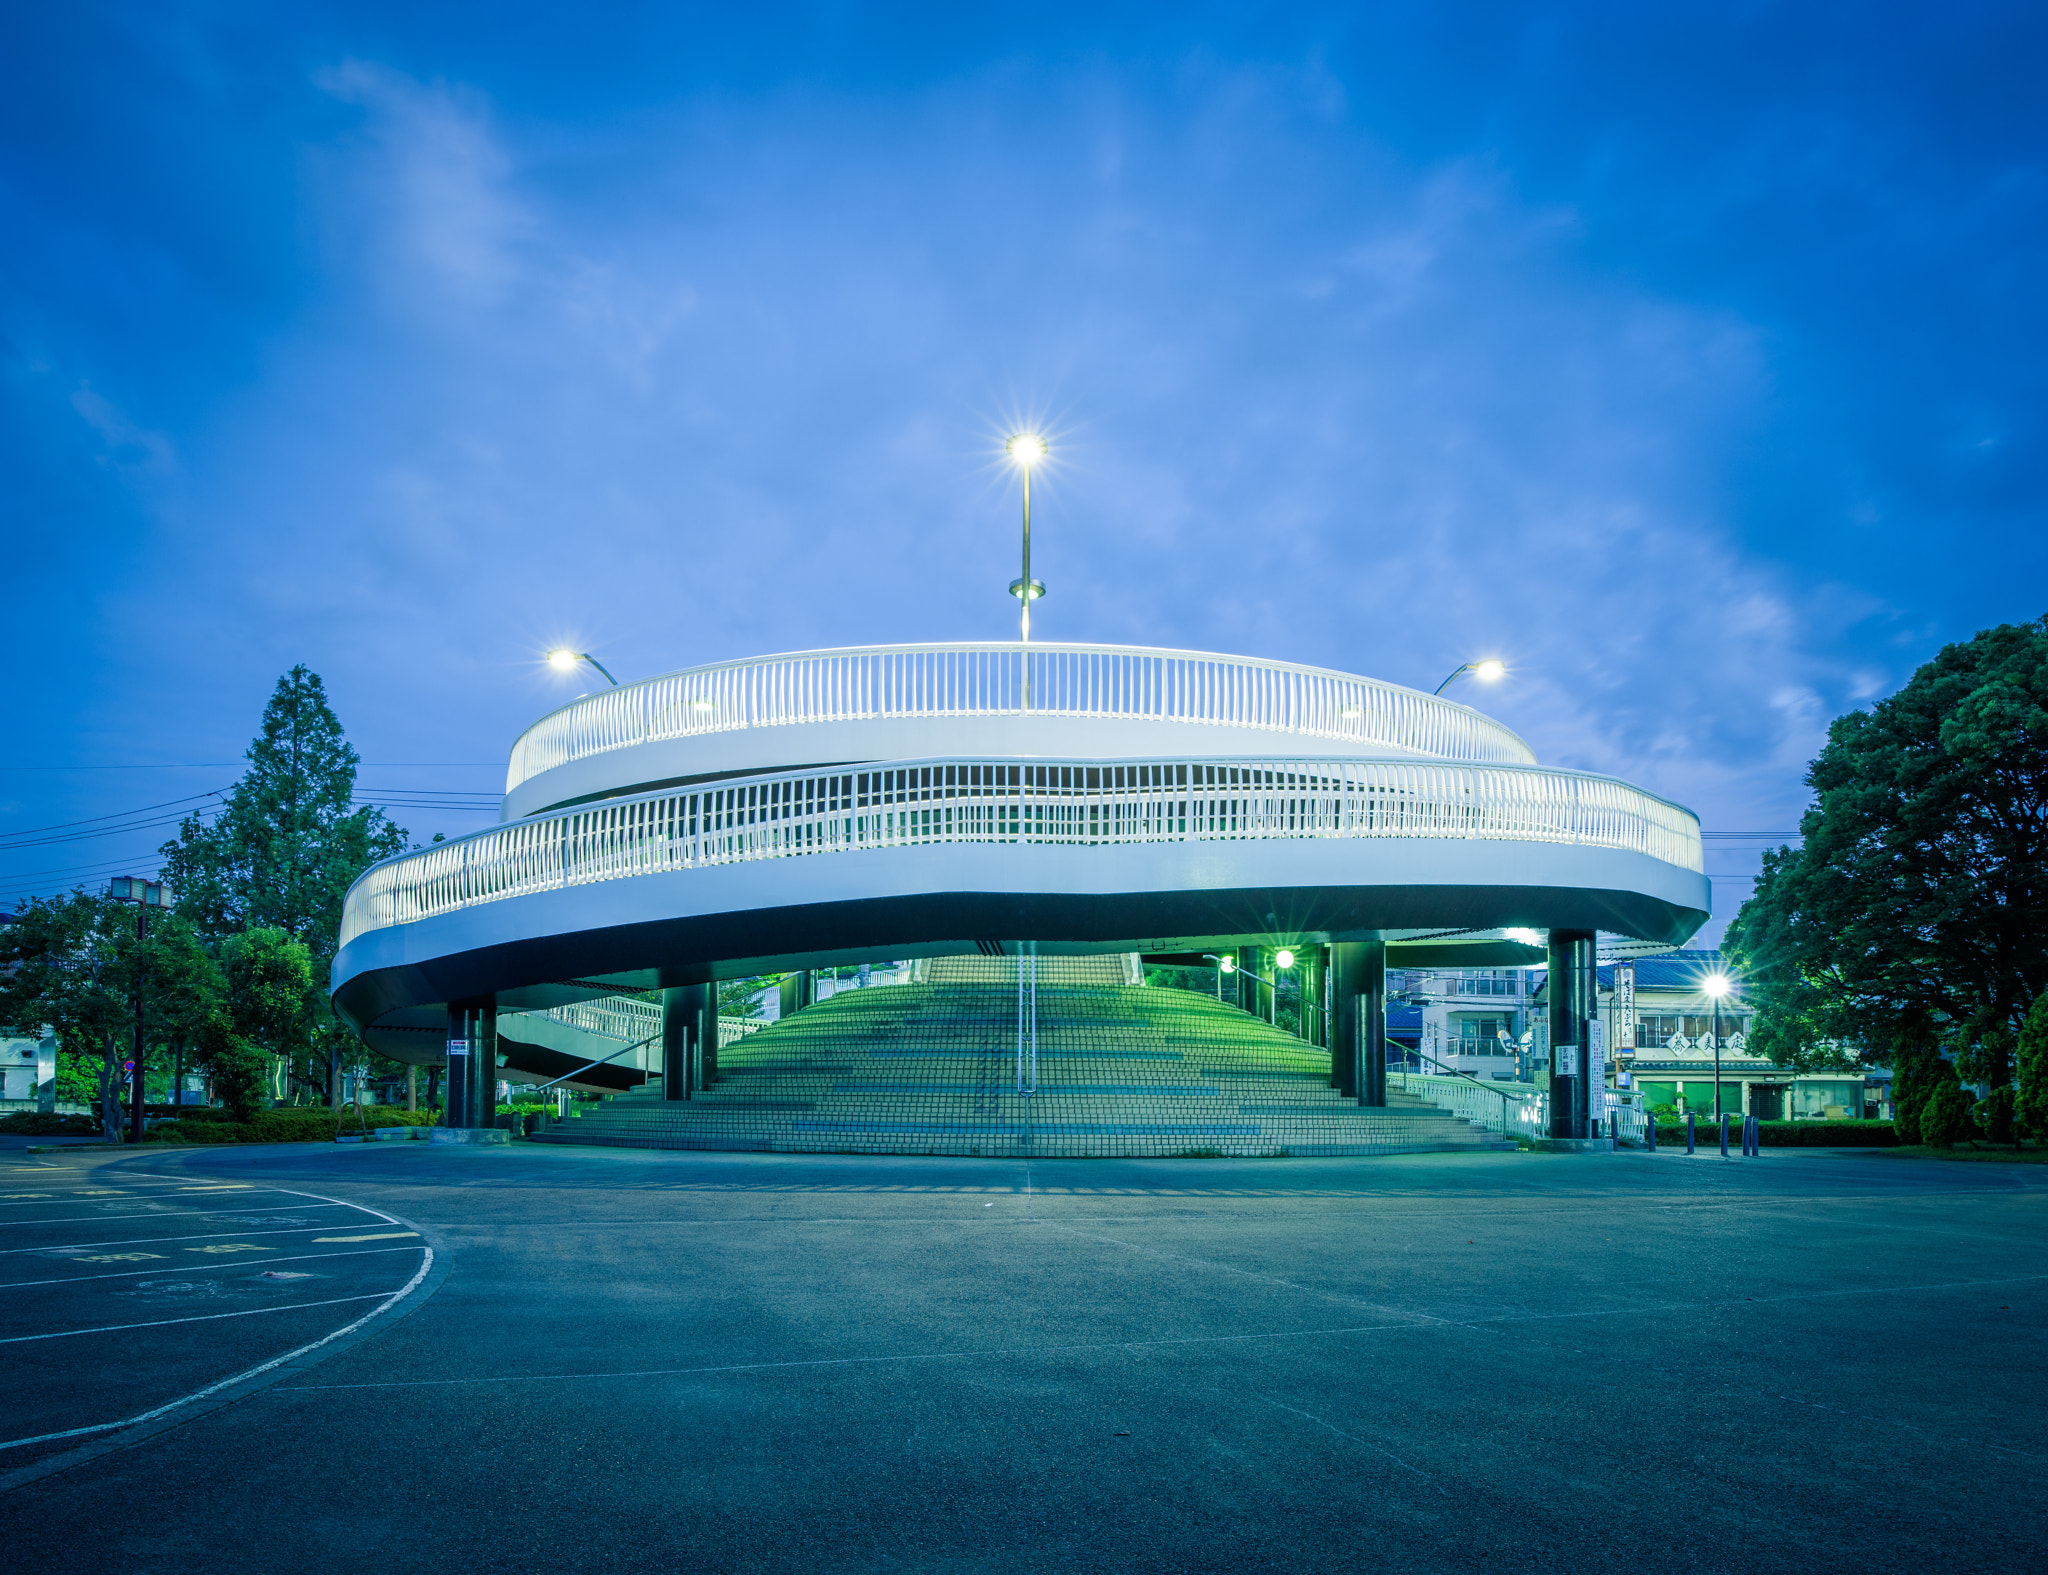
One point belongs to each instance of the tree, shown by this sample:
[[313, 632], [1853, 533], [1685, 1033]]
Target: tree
[[272, 1003], [1922, 885], [77, 964], [2030, 1083], [58, 966], [1945, 1118], [287, 842]]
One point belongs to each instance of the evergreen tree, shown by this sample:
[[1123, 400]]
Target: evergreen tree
[[1922, 887], [287, 843], [2030, 1084]]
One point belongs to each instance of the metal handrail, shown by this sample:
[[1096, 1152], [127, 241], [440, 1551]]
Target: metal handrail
[[1508, 1101], [985, 679], [1062, 803]]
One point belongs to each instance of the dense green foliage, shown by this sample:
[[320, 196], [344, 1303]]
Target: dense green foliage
[[1945, 1117], [76, 964], [1787, 1134], [1921, 891], [232, 982], [289, 1126], [279, 857], [2030, 1072]]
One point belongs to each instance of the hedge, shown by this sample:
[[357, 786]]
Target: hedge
[[1787, 1134], [290, 1126], [42, 1123]]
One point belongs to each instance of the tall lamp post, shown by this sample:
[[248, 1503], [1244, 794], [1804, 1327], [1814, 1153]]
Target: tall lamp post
[[1716, 985], [565, 661], [1027, 449], [145, 894], [1486, 672]]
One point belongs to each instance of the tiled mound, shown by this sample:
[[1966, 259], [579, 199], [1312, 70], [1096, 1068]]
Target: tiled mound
[[931, 1068]]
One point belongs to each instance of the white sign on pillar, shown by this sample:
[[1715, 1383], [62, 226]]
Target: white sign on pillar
[[1596, 1072], [1625, 1008], [458, 1047]]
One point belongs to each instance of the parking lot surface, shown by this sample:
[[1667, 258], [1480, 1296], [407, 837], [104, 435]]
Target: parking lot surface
[[603, 1360]]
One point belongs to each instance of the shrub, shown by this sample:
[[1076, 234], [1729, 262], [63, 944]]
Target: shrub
[[40, 1123], [1790, 1134], [316, 1125], [1945, 1118], [1994, 1115]]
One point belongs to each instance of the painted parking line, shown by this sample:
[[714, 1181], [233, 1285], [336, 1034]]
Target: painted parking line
[[129, 1274], [209, 1390], [158, 1241], [144, 1214], [252, 1312], [389, 1235]]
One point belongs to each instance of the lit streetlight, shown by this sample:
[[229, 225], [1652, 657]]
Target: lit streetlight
[[1027, 449], [565, 661], [1717, 985], [1486, 672]]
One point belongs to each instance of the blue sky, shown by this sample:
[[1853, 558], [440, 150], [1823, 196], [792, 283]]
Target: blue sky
[[1688, 357]]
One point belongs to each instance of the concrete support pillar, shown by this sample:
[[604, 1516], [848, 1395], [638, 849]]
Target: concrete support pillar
[[797, 991], [675, 1046], [1572, 989], [1358, 1020], [689, 1040], [473, 1062]]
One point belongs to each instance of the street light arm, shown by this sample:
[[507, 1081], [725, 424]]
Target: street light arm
[[594, 662], [1456, 673]]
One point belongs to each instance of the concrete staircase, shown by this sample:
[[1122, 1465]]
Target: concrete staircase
[[931, 1068]]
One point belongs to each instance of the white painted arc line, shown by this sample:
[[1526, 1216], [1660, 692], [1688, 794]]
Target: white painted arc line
[[201, 1270], [209, 1236], [156, 1241], [155, 1214], [162, 1323], [131, 1189], [405, 1290]]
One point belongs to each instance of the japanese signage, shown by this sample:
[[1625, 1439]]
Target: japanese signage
[[1625, 1008]]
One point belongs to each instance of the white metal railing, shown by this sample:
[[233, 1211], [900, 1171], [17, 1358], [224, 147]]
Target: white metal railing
[[1513, 1110], [630, 1021], [1132, 682], [793, 814]]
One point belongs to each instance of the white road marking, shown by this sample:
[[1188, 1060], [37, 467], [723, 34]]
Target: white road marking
[[140, 1214], [389, 1235], [129, 1274], [115, 1328], [257, 1371], [153, 1241]]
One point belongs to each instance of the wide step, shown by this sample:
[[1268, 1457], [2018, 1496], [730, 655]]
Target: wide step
[[932, 1068]]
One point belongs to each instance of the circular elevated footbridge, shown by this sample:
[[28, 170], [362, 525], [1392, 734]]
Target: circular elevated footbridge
[[1026, 822]]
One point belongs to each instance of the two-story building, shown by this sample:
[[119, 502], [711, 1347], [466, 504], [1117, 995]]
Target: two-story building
[[1663, 1048]]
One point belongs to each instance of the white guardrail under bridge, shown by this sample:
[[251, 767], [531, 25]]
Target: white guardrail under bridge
[[795, 814], [986, 680]]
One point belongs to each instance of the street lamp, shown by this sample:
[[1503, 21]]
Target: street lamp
[[1486, 672], [145, 894], [1027, 449], [1717, 985], [565, 660]]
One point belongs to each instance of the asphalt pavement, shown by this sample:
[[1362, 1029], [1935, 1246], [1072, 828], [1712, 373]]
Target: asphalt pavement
[[575, 1359]]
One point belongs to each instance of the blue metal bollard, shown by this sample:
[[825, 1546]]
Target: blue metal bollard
[[1724, 1134], [1688, 1132], [1650, 1132]]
